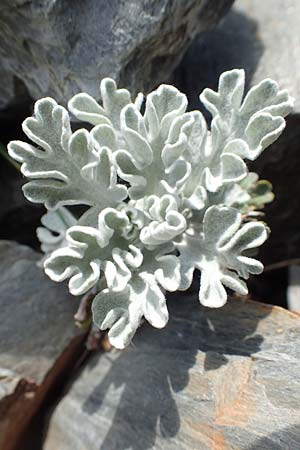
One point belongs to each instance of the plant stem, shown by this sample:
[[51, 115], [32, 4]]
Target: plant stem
[[281, 264]]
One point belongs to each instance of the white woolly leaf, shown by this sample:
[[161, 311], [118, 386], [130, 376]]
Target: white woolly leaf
[[151, 138], [255, 122], [65, 168], [52, 235], [160, 194], [165, 221], [92, 250], [218, 251], [122, 312], [143, 296], [85, 108]]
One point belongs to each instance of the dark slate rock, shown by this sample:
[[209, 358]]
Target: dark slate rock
[[263, 37], [18, 217], [223, 379], [38, 338], [59, 48]]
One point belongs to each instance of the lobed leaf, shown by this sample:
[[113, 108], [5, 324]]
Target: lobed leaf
[[256, 122], [160, 194], [91, 250], [146, 162], [65, 169], [122, 312], [218, 251], [52, 235]]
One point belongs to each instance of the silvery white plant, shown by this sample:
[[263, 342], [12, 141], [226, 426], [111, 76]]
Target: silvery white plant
[[163, 194]]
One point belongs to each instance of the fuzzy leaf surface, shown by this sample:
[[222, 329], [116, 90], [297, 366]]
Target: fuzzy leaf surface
[[52, 235], [218, 252], [144, 296], [92, 250], [64, 167], [160, 194]]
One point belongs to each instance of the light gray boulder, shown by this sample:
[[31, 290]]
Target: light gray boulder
[[59, 48]]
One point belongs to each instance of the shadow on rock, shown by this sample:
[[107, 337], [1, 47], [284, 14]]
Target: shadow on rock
[[233, 44], [138, 391], [286, 439]]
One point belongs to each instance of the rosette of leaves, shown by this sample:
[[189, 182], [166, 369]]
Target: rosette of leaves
[[162, 194]]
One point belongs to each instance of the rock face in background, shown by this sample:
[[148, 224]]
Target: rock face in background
[[59, 48], [18, 217], [210, 380], [38, 340], [263, 37]]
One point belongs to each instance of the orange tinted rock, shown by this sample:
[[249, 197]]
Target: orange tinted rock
[[211, 380]]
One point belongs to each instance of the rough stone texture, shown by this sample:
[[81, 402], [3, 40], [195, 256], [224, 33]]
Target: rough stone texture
[[58, 48], [263, 37], [212, 380], [38, 340]]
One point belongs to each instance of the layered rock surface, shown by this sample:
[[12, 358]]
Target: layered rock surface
[[212, 379], [59, 48], [38, 340]]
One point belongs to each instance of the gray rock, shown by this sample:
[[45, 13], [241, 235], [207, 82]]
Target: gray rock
[[263, 37], [18, 217], [38, 338], [293, 289], [59, 48], [10, 188], [212, 379]]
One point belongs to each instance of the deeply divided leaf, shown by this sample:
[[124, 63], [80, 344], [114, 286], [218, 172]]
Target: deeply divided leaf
[[158, 194]]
